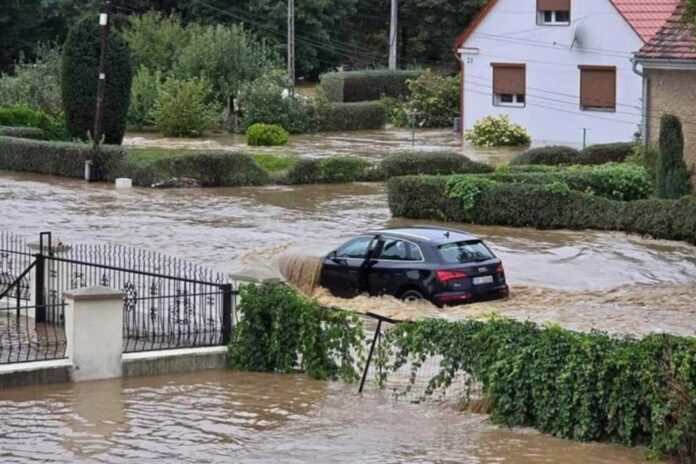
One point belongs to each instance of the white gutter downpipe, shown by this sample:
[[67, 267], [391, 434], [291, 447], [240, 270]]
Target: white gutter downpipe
[[645, 126]]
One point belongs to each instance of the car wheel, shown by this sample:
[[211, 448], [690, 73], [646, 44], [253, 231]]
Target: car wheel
[[412, 295]]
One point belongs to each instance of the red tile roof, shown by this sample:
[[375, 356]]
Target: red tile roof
[[674, 41], [646, 17]]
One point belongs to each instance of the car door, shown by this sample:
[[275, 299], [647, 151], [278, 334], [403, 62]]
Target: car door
[[388, 270], [343, 272]]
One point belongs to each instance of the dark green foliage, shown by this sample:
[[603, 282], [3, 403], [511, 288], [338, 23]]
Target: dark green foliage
[[582, 386], [22, 132], [331, 170], [19, 116], [672, 173], [606, 153], [552, 155], [339, 117], [413, 163], [465, 199], [645, 156], [57, 158], [79, 81], [359, 86], [267, 135], [283, 331], [434, 101]]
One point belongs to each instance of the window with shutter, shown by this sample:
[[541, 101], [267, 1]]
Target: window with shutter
[[553, 12], [509, 84], [598, 88]]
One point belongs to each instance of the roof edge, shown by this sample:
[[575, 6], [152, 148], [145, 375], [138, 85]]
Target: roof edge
[[623, 16], [473, 25]]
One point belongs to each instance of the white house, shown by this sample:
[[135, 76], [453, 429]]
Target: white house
[[560, 68]]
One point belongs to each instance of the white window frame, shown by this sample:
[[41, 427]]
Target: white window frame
[[541, 18], [498, 101]]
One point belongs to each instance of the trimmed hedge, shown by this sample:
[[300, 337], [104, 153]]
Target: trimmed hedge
[[22, 117], [553, 155], [339, 117], [266, 135], [333, 170], [477, 200], [358, 86], [606, 153], [33, 133], [57, 158], [414, 163]]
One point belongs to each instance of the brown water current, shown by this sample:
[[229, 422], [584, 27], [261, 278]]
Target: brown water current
[[221, 416]]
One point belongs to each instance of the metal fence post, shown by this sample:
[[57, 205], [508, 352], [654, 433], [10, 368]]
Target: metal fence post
[[40, 287], [227, 295]]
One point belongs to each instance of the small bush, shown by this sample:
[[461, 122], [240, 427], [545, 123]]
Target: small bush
[[554, 155], [358, 86], [672, 173], [339, 117], [22, 132], [606, 153], [414, 163], [20, 116], [332, 170], [645, 157], [497, 131], [304, 171], [183, 108], [146, 86], [434, 99], [267, 135]]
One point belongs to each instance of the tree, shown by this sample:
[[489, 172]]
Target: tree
[[80, 70], [227, 57], [672, 173], [156, 40]]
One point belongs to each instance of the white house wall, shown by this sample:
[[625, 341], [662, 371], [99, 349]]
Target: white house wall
[[510, 34]]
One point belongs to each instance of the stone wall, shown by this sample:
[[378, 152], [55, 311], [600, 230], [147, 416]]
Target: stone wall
[[673, 91]]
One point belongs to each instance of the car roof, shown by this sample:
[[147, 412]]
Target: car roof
[[427, 234]]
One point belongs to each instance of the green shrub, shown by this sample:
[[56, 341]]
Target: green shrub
[[79, 76], [145, 90], [265, 101], [523, 205], [304, 171], [434, 101], [413, 163], [331, 170], [22, 132], [57, 158], [156, 40], [283, 331], [552, 155], [183, 108], [496, 131], [19, 116], [339, 117], [582, 386], [606, 153], [358, 86], [672, 173], [267, 135], [645, 156]]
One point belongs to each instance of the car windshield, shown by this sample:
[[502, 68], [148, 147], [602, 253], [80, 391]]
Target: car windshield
[[464, 252]]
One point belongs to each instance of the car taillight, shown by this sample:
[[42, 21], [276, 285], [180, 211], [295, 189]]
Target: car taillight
[[500, 269], [446, 276]]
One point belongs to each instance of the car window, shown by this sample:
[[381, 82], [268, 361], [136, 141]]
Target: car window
[[399, 250], [464, 252], [356, 248]]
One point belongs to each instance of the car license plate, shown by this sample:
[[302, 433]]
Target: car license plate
[[483, 280]]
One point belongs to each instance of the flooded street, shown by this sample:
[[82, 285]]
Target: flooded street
[[259, 418]]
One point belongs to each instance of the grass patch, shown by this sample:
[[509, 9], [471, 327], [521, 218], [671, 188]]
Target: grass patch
[[146, 156], [274, 163]]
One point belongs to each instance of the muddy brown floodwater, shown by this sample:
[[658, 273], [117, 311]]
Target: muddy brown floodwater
[[256, 418]]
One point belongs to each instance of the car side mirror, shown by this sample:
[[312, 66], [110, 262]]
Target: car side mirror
[[333, 255]]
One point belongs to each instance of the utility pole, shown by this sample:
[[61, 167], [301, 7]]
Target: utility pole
[[291, 46], [104, 23], [392, 33]]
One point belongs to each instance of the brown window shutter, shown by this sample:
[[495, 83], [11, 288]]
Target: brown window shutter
[[553, 5], [598, 87], [509, 78]]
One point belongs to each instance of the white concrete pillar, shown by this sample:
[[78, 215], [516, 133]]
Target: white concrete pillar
[[94, 332]]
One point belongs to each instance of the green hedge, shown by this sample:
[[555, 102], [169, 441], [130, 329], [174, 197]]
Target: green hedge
[[260, 134], [623, 182], [477, 200], [22, 132], [582, 386], [552, 155], [332, 170], [357, 86], [22, 117], [606, 153], [57, 158], [339, 117], [413, 163]]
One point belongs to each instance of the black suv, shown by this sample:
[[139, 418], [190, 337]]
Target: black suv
[[444, 266]]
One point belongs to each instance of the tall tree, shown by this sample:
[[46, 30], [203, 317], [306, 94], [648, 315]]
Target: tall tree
[[672, 173]]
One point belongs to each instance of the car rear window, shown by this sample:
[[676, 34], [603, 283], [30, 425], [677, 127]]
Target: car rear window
[[464, 252]]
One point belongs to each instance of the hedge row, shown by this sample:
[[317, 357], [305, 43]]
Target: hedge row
[[33, 133], [357, 86], [56, 158], [477, 200], [340, 117], [582, 386], [558, 154]]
